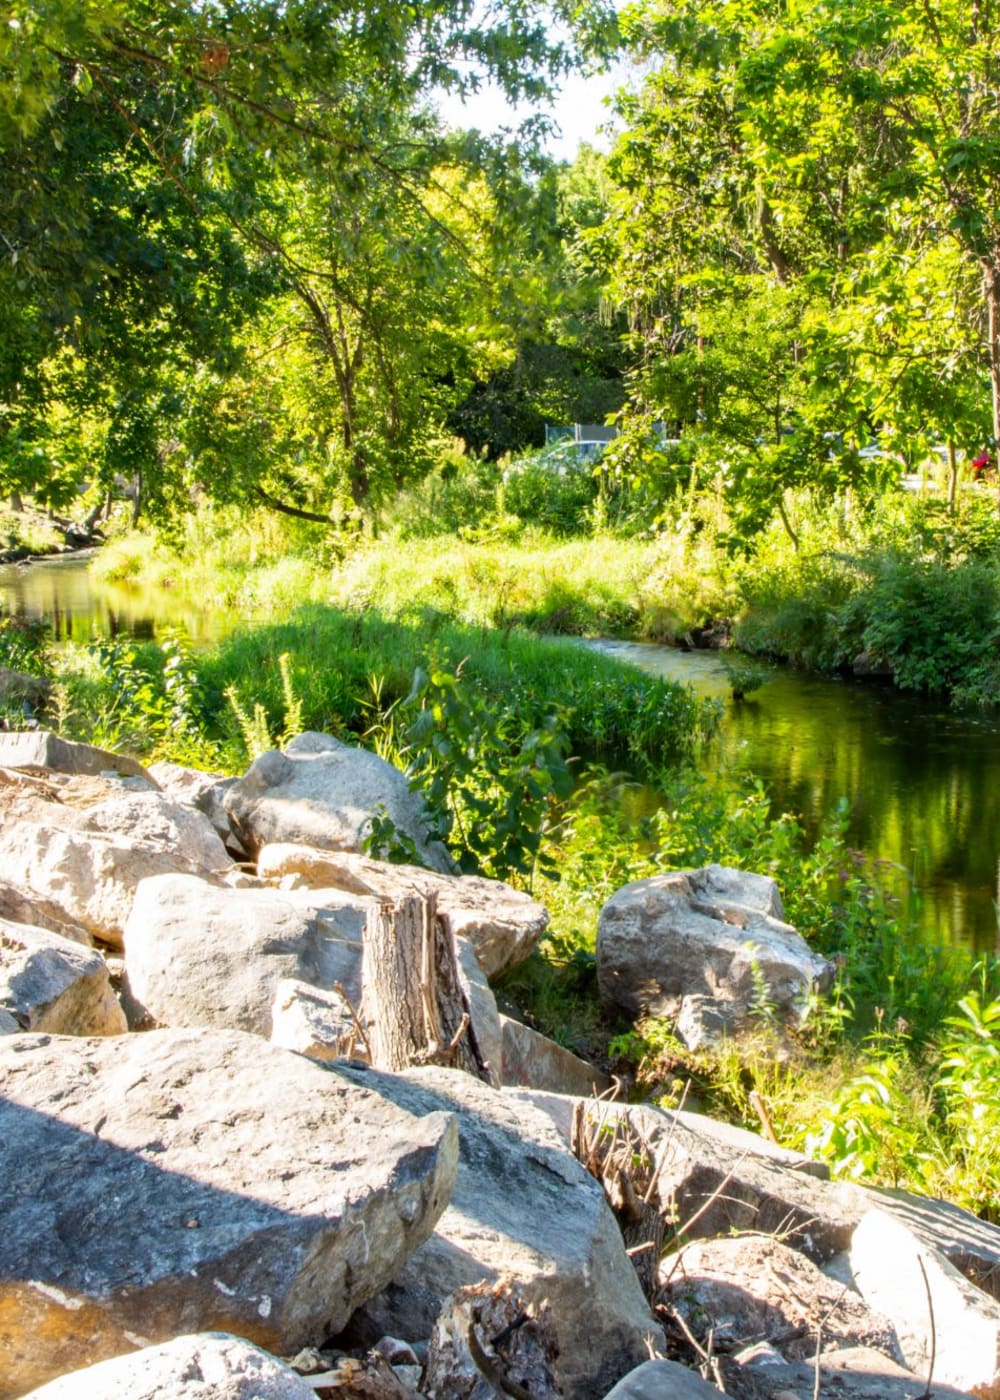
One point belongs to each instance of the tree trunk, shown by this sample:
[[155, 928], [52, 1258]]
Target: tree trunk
[[991, 288], [412, 997]]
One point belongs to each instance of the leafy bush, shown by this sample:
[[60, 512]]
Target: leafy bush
[[553, 490]]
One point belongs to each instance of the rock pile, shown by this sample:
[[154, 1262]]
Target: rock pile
[[239, 1202]]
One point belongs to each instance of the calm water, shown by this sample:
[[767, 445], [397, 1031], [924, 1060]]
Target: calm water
[[60, 590], [923, 783]]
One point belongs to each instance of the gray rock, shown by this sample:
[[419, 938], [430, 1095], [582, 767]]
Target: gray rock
[[205, 792], [202, 1366], [48, 983], [312, 1022], [854, 1373], [87, 862], [663, 1380], [502, 924], [522, 1207], [40, 748], [201, 954], [532, 1061], [187, 1181], [715, 1179], [28, 691], [320, 792], [754, 1288], [704, 946], [941, 1318]]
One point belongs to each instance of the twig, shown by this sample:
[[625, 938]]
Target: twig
[[341, 991], [930, 1308]]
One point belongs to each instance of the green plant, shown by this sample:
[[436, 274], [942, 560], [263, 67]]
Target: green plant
[[255, 726], [968, 1081], [489, 777]]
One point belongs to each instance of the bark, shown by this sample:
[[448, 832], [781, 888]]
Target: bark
[[412, 997], [991, 288], [285, 509]]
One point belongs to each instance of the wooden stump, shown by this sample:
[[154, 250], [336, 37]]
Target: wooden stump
[[412, 997]]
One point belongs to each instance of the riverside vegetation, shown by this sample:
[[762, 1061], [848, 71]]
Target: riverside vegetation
[[526, 746]]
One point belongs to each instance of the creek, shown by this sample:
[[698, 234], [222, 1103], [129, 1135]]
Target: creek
[[919, 779]]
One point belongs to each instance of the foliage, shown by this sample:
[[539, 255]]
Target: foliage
[[488, 777]]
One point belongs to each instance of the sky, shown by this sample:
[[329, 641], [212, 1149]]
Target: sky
[[579, 111]]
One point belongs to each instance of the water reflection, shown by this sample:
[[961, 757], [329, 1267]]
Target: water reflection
[[77, 609], [921, 780]]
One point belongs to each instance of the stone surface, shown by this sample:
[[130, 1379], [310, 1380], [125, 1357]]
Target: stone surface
[[663, 1380], [87, 862], [48, 983], [523, 1207], [201, 954], [502, 924], [313, 1022], [200, 1366], [20, 908], [935, 1310], [855, 1373], [40, 748], [532, 1061], [747, 1288], [698, 946], [715, 1179], [197, 1181], [320, 792], [205, 792]]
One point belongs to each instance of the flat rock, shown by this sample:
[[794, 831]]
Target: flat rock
[[532, 1061], [320, 792], [854, 1373], [501, 923], [48, 983], [40, 748], [202, 1366], [197, 1181], [87, 862], [524, 1207], [747, 1288], [715, 1179], [702, 947], [21, 908]]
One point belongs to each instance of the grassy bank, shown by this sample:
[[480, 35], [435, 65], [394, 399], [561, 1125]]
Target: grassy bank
[[894, 1076]]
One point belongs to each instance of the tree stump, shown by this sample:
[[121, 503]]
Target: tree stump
[[412, 996]]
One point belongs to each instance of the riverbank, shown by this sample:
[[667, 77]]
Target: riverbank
[[499, 701]]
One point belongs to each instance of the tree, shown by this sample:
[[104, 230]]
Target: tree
[[205, 131]]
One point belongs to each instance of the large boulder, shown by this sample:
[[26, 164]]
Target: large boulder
[[320, 792], [87, 862], [201, 954], [502, 924], [202, 1366], [522, 1207], [194, 1181], [706, 948], [48, 983]]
